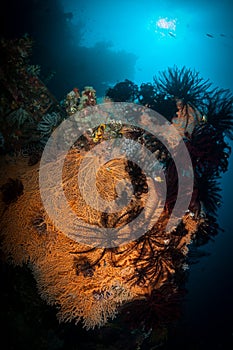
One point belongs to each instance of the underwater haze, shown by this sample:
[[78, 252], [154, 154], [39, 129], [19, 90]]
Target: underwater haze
[[100, 43], [197, 34]]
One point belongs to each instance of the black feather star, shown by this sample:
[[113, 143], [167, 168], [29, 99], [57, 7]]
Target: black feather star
[[219, 111], [182, 84], [210, 193]]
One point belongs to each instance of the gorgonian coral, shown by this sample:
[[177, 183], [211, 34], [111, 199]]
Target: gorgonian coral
[[125, 91]]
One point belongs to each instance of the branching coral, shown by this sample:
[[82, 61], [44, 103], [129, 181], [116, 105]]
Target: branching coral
[[125, 91], [88, 97], [146, 94]]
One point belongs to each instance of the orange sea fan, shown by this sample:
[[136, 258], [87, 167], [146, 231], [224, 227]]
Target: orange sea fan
[[87, 284]]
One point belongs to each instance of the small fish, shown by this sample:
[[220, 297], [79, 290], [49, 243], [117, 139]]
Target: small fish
[[222, 35], [158, 179], [172, 34], [209, 35], [204, 118]]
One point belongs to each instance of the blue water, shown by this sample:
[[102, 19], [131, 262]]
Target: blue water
[[161, 33]]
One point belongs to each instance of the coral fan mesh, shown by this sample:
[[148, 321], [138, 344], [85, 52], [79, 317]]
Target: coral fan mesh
[[86, 283]]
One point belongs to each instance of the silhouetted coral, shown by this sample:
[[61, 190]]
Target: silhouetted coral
[[146, 94], [161, 307], [125, 91]]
